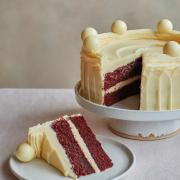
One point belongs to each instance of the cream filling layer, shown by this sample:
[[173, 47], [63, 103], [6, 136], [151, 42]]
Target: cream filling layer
[[122, 84], [82, 145]]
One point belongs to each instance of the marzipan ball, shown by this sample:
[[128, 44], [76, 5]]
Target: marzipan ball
[[164, 26], [25, 152], [88, 32], [172, 48], [119, 27]]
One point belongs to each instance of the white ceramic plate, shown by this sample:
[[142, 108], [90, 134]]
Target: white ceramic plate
[[122, 157], [126, 109]]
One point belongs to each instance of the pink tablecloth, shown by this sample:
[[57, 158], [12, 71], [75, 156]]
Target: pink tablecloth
[[20, 109]]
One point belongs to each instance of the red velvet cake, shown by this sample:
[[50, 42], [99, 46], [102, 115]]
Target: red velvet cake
[[69, 144], [111, 63]]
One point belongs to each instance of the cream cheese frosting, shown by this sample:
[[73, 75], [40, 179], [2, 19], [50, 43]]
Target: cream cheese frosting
[[160, 82], [44, 140], [119, 53], [122, 84]]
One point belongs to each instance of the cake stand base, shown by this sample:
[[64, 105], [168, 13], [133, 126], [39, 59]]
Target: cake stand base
[[145, 131]]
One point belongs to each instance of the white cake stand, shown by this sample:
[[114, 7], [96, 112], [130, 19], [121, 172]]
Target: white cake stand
[[129, 122]]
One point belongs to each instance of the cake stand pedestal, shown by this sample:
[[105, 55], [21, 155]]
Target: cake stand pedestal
[[129, 122], [147, 131]]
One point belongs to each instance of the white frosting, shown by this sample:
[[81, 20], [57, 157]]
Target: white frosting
[[35, 138], [121, 84], [44, 139], [119, 53], [73, 115], [91, 79], [160, 82]]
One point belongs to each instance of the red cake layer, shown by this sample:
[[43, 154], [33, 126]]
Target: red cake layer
[[123, 73], [80, 165], [126, 91], [94, 146]]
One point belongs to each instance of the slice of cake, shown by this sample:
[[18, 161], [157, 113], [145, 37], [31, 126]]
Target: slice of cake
[[68, 144], [111, 63], [160, 88]]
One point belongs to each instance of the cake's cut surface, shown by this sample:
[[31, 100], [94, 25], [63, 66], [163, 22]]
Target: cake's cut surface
[[94, 146], [76, 157], [69, 145], [111, 63]]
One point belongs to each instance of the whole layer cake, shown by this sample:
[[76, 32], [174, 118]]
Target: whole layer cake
[[111, 63], [68, 144]]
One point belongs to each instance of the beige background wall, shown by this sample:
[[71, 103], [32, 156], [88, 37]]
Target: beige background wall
[[40, 39]]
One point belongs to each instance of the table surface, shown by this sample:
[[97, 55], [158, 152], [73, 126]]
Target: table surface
[[22, 108]]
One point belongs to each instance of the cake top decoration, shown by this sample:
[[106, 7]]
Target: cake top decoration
[[172, 48], [119, 27], [122, 45], [25, 152], [164, 26], [89, 31]]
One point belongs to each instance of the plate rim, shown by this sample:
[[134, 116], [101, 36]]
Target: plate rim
[[175, 114], [129, 151]]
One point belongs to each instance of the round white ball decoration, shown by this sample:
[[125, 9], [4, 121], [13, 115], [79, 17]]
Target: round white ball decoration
[[172, 48], [164, 26], [119, 27], [91, 44], [89, 31], [25, 152]]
